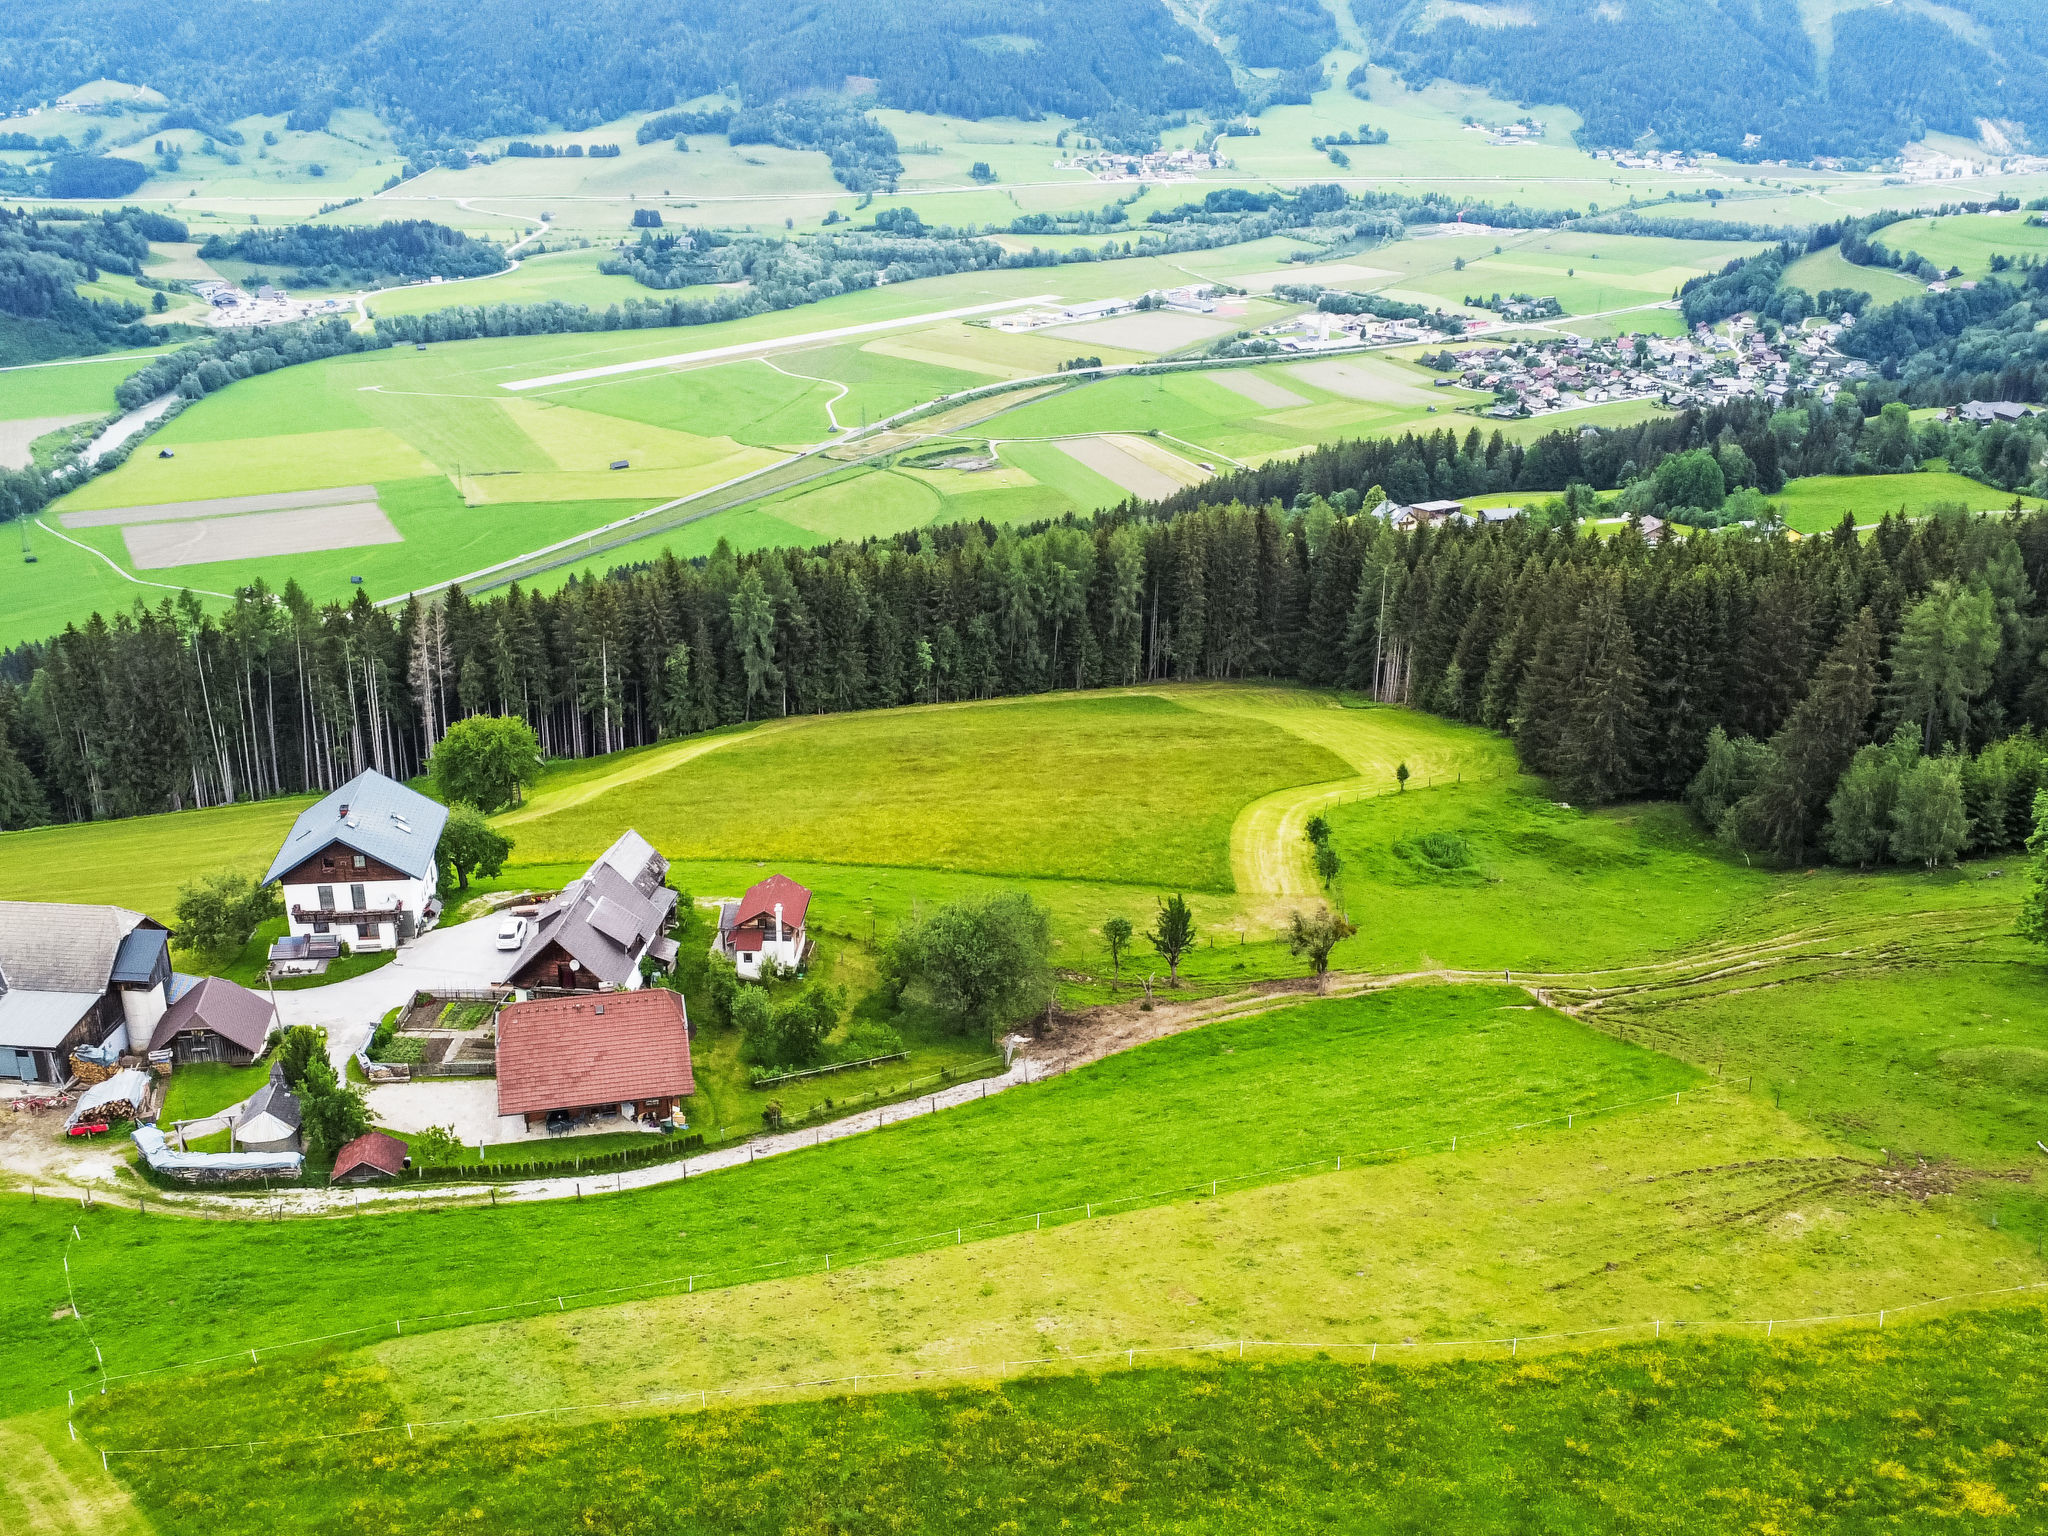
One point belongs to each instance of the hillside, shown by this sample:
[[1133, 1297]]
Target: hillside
[[1745, 78], [445, 74]]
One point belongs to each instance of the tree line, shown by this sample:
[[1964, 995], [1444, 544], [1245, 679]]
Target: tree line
[[1609, 662], [43, 259]]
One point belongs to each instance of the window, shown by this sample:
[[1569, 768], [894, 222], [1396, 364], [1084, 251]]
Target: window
[[325, 896], [366, 930], [357, 898], [327, 862], [360, 861]]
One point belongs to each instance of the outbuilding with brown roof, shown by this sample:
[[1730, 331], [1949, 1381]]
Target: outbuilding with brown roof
[[215, 1020], [371, 1156], [625, 1053]]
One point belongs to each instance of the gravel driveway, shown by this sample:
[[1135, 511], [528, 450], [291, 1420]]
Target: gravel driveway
[[459, 955]]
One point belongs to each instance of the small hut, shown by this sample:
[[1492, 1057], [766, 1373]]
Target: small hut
[[269, 1121], [370, 1157]]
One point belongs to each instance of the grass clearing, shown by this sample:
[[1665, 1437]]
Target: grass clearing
[[202, 1088], [1826, 269], [1817, 503]]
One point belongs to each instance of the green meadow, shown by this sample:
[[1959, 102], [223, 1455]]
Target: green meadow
[[1826, 269], [1968, 240], [1818, 503], [1838, 1432]]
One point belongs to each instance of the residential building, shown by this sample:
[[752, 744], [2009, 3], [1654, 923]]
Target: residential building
[[768, 923], [567, 1058], [595, 935], [76, 977], [359, 863], [214, 1020]]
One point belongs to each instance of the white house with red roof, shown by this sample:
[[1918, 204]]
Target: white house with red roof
[[766, 924]]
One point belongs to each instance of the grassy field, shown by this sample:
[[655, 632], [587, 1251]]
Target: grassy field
[[1826, 269], [1967, 240], [62, 389], [1835, 1432], [911, 788], [1818, 503]]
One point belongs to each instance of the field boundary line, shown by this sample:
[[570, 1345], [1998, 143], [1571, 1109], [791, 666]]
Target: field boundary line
[[701, 1396], [114, 566], [820, 1261]]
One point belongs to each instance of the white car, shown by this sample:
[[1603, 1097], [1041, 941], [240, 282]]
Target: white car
[[512, 933]]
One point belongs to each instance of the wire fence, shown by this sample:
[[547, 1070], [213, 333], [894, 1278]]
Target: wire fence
[[700, 1397], [824, 1260]]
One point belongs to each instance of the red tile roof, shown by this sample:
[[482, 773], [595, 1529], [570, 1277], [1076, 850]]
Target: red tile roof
[[601, 1048], [761, 900], [372, 1149]]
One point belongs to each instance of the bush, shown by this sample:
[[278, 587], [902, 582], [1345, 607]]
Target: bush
[[1442, 850], [217, 913]]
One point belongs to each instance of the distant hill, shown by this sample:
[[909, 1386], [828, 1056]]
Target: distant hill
[[445, 73], [1746, 78]]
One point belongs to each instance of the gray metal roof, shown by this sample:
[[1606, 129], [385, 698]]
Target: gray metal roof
[[602, 921], [274, 1100], [41, 1020], [385, 821], [634, 857], [136, 961], [50, 946]]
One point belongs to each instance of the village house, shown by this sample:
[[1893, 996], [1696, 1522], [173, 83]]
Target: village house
[[213, 1019], [76, 978], [596, 933], [563, 1059], [359, 865], [768, 923]]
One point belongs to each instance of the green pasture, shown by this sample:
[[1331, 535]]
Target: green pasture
[[1827, 269], [1944, 1061], [1340, 397], [1817, 503], [64, 389], [355, 155], [564, 277], [1230, 1099], [919, 781], [1830, 1431], [1967, 240]]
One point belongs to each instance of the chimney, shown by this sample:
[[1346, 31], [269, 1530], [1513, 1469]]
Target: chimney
[[778, 922], [344, 812]]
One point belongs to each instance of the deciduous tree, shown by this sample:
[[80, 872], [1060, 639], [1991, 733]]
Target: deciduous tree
[[1173, 934], [485, 761]]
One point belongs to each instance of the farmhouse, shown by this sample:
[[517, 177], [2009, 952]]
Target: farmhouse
[[214, 1020], [76, 978], [359, 864], [1985, 412], [371, 1156], [595, 934], [568, 1057], [765, 924]]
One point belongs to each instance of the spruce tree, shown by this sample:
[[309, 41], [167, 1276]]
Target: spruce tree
[[1808, 756], [1597, 749]]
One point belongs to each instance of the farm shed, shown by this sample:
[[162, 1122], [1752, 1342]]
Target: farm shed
[[215, 1020], [371, 1156], [624, 1053], [72, 977], [269, 1121]]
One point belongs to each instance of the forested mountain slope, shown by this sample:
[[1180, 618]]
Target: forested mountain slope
[[1740, 77], [509, 66]]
